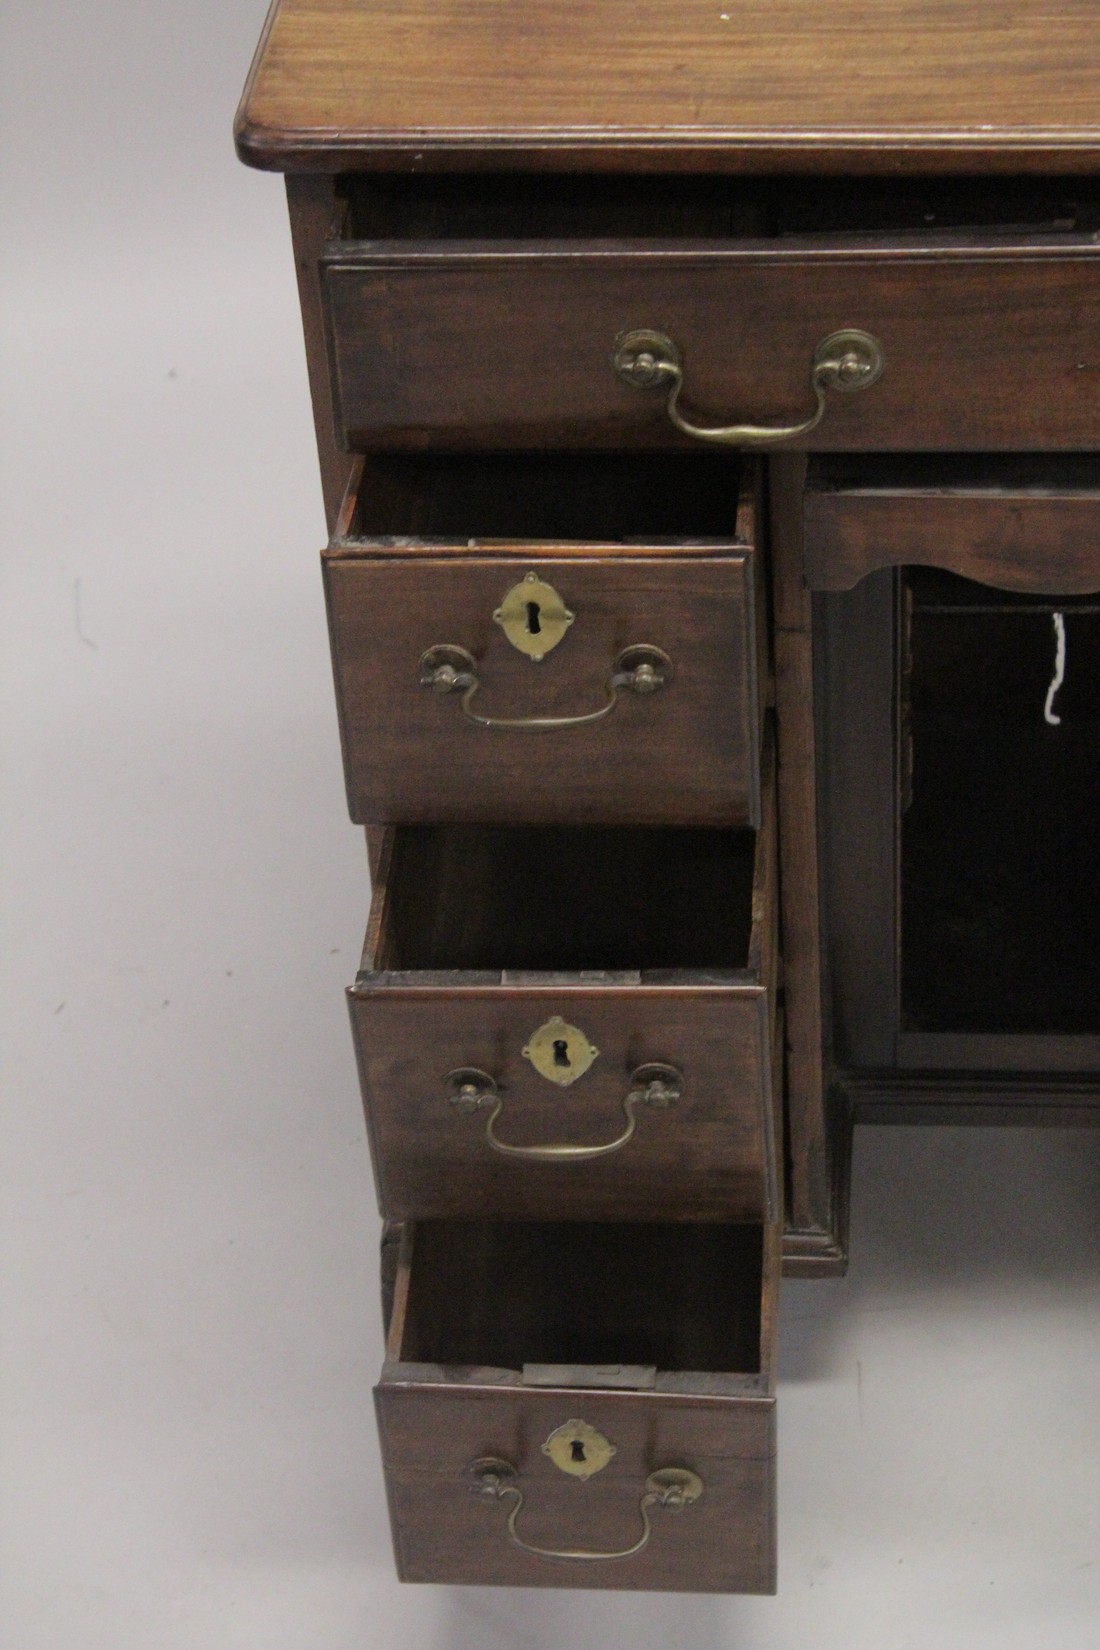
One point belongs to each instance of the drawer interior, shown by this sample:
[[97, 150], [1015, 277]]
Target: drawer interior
[[504, 1295], [564, 898], [1000, 870], [505, 205], [605, 498]]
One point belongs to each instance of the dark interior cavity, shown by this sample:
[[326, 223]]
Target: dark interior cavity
[[1000, 861], [488, 206], [597, 498], [570, 898], [502, 1294]]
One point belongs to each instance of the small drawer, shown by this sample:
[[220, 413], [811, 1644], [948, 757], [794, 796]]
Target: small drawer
[[460, 313], [557, 1022], [540, 640], [583, 1405], [1020, 522]]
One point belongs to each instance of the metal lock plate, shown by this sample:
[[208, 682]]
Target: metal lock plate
[[559, 1052], [533, 617], [578, 1448]]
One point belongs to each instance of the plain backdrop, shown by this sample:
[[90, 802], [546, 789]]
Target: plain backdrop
[[189, 1296]]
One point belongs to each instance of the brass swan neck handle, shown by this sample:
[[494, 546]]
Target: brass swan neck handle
[[655, 1085], [670, 1488], [848, 360], [639, 669]]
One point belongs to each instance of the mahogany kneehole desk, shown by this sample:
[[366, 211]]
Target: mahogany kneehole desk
[[708, 411]]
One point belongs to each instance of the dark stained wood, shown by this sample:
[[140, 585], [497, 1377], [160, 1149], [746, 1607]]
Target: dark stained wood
[[984, 664], [959, 1051], [1037, 539], [856, 640], [639, 902], [489, 1293], [389, 1258], [993, 346], [724, 1543], [373, 834], [822, 1252], [648, 1300], [1027, 1008], [773, 1249], [1007, 1099], [688, 754], [314, 213], [428, 1002], [478, 211], [764, 959], [815, 1138], [891, 84], [702, 1159]]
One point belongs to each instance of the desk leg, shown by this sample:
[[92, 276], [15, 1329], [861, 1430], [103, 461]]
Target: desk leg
[[818, 1134]]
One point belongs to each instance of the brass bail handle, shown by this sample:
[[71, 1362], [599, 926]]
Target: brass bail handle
[[639, 669], [670, 1488], [848, 360], [655, 1085]]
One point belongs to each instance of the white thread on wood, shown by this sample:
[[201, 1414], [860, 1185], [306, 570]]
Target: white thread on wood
[[1059, 669]]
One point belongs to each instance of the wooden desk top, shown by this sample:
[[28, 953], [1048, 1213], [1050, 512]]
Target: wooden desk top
[[735, 85]]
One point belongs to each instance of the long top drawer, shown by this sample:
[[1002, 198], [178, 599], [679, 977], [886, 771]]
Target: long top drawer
[[448, 328]]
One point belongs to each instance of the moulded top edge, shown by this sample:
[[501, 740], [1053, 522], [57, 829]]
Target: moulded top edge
[[888, 85]]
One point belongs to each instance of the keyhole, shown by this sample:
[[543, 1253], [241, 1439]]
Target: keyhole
[[561, 1052], [534, 624], [577, 1449]]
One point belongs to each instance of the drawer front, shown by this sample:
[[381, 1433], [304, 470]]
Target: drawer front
[[686, 753], [446, 1531], [699, 1147], [512, 344]]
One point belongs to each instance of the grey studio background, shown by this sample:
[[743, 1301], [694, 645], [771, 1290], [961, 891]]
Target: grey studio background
[[190, 1316]]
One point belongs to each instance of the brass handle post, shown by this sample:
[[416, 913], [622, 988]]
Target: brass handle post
[[639, 669], [655, 1085], [671, 1488], [848, 360]]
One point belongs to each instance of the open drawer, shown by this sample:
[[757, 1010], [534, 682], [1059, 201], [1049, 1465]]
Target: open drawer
[[488, 311], [549, 639], [583, 1405], [564, 1022]]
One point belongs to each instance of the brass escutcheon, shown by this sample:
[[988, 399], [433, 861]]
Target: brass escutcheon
[[533, 617], [578, 1449], [559, 1052]]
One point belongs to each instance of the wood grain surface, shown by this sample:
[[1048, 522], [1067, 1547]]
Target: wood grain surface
[[816, 1132], [685, 755], [435, 1418], [989, 343], [311, 203], [709, 1157], [1034, 541], [895, 84]]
